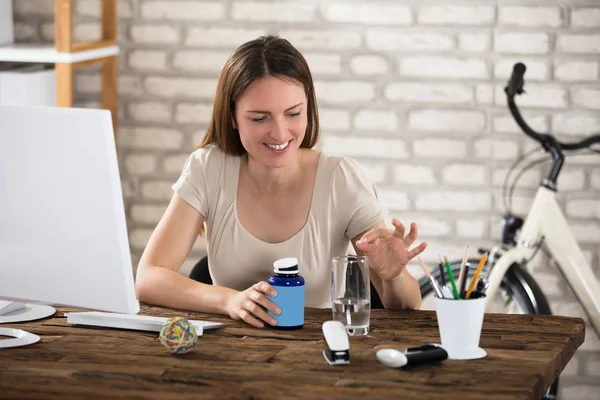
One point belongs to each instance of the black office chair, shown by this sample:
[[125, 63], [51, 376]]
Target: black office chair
[[201, 274]]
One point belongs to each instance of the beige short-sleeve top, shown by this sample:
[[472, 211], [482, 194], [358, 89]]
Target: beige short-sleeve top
[[344, 204]]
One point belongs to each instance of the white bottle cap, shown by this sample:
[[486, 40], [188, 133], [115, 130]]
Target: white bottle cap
[[286, 266]]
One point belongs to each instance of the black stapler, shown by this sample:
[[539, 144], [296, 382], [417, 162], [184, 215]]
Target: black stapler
[[337, 345]]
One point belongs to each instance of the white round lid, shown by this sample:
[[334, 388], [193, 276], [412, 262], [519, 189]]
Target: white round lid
[[286, 266]]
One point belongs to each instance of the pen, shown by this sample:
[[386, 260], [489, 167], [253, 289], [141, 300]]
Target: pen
[[462, 269], [441, 267], [434, 283], [451, 277], [476, 276]]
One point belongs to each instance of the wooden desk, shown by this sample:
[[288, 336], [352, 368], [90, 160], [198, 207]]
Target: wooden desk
[[525, 354]]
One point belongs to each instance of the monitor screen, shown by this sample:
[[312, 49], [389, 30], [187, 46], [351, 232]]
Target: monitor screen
[[63, 232]]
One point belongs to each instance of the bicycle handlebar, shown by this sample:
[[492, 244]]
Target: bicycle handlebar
[[515, 87]]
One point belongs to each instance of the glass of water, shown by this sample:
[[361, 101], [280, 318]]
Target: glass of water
[[351, 294]]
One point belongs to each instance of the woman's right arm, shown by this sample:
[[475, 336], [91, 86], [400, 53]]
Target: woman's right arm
[[157, 279], [158, 282]]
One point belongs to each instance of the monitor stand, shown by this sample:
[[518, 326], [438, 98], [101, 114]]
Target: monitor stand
[[18, 338], [28, 313]]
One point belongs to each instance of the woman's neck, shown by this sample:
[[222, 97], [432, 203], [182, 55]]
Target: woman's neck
[[273, 181]]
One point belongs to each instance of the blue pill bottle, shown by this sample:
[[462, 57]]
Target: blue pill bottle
[[290, 294]]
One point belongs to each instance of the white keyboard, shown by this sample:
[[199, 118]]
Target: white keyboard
[[130, 321]]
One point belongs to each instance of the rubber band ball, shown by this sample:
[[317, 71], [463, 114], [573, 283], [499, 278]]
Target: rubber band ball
[[178, 335]]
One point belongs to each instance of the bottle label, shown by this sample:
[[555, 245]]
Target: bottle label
[[291, 302]]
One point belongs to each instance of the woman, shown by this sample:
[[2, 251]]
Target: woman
[[264, 194]]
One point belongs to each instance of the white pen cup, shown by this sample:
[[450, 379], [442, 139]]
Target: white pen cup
[[460, 323]]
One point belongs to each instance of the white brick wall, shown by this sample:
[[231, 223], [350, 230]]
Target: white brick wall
[[522, 43], [376, 120], [537, 70], [443, 67], [323, 39], [150, 111], [439, 148], [393, 200], [595, 178], [585, 17], [146, 213], [456, 15], [587, 232], [180, 87], [447, 120], [153, 60], [576, 123], [413, 91], [453, 93], [464, 174], [140, 164], [390, 40], [461, 201], [583, 208], [474, 42], [506, 123], [537, 96], [220, 37], [182, 10], [157, 190], [365, 147], [278, 11], [586, 98], [530, 16], [155, 35], [334, 119], [193, 113], [496, 149], [321, 63], [341, 92], [196, 60], [413, 174], [381, 13], [92, 8], [473, 228], [368, 64], [145, 138], [580, 70], [579, 43]]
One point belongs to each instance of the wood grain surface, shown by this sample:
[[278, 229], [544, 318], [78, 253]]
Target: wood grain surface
[[525, 354]]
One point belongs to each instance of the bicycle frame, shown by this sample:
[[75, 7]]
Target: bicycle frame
[[545, 219]]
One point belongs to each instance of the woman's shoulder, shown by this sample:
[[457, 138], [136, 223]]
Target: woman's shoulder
[[212, 155], [339, 164]]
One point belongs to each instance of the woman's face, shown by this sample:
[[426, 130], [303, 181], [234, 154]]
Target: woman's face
[[271, 119]]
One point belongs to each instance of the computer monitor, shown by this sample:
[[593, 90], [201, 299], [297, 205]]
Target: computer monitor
[[63, 233]]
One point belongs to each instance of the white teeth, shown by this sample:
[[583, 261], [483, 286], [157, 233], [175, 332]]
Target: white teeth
[[278, 146]]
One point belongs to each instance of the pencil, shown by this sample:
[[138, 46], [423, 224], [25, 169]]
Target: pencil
[[451, 278], [476, 276], [462, 266], [434, 283], [463, 282]]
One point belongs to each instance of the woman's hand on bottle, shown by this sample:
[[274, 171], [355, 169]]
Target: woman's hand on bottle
[[252, 305]]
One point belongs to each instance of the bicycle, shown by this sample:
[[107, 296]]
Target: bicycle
[[511, 287]]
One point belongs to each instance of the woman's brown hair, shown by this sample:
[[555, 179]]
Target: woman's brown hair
[[254, 60]]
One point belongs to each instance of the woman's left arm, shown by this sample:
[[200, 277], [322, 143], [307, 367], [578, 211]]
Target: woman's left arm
[[389, 252]]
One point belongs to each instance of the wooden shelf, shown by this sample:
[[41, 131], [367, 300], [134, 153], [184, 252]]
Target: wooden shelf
[[23, 52], [67, 55]]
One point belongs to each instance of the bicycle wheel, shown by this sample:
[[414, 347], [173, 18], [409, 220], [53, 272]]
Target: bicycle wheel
[[519, 294]]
